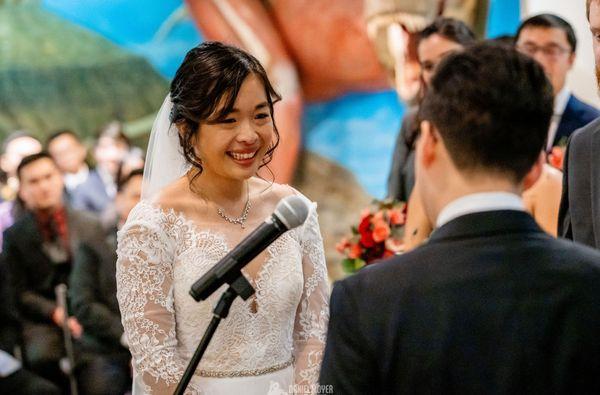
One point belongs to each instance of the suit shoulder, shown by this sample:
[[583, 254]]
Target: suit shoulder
[[389, 275], [9, 234], [579, 256], [584, 108], [19, 225], [582, 135]]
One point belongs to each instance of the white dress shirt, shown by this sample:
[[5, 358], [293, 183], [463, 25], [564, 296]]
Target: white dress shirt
[[8, 364], [479, 202], [73, 180], [560, 104]]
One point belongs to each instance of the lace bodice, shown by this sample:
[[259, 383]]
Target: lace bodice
[[162, 252]]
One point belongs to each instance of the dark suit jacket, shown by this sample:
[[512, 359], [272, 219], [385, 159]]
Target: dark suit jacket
[[90, 195], [33, 273], [490, 305], [577, 114], [579, 213], [93, 294], [9, 323]]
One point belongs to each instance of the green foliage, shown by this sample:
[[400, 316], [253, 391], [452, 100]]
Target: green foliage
[[352, 265], [54, 74]]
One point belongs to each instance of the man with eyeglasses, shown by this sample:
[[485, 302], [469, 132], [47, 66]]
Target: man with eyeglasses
[[551, 41]]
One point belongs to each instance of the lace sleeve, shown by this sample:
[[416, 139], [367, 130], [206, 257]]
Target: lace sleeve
[[312, 316], [144, 291]]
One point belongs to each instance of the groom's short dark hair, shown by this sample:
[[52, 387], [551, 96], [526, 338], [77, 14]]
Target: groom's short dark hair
[[492, 107]]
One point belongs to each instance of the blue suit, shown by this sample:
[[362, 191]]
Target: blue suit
[[577, 114], [90, 195]]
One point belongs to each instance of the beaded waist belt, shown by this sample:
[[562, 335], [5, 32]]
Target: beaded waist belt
[[246, 373]]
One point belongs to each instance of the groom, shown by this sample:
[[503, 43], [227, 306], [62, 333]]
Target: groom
[[491, 303]]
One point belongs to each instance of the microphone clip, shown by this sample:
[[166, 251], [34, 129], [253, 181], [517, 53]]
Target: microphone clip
[[242, 286]]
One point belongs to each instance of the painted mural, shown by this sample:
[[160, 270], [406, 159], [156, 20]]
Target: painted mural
[[122, 53]]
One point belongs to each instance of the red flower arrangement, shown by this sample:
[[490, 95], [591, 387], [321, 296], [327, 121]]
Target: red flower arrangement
[[378, 235]]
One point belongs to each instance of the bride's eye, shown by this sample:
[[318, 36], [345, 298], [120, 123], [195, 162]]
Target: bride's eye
[[227, 120], [262, 115]]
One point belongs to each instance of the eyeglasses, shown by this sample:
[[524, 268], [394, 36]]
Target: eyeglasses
[[550, 51]]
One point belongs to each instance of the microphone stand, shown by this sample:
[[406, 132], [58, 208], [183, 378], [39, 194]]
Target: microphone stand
[[239, 287]]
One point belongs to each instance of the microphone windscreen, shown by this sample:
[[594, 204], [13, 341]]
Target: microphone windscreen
[[292, 211]]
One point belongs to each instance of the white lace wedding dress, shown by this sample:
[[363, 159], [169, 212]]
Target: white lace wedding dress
[[270, 344]]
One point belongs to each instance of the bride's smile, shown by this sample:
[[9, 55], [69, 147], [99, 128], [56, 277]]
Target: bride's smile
[[232, 144]]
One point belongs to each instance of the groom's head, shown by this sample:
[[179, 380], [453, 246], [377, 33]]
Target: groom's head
[[485, 119]]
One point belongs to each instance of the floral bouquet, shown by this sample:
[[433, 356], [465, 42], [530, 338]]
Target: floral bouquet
[[378, 235]]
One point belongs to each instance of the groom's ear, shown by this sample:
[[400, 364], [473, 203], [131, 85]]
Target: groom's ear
[[535, 172], [427, 143]]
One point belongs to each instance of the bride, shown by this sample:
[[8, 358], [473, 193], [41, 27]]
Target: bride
[[201, 197]]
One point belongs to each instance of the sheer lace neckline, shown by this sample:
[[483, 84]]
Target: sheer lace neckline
[[196, 230]]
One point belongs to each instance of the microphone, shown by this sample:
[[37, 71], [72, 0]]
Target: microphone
[[290, 212]]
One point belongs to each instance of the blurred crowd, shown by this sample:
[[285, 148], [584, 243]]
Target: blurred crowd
[[62, 205], [63, 202]]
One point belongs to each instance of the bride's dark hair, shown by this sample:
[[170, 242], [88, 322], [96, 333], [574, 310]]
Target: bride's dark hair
[[213, 73]]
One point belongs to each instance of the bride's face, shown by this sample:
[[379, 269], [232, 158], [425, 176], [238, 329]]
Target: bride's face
[[234, 146]]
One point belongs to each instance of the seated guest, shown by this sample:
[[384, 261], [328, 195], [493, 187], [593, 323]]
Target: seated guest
[[37, 251], [551, 41], [84, 186], [490, 303], [13, 378], [133, 161], [443, 36], [129, 192], [110, 149], [94, 300], [16, 146]]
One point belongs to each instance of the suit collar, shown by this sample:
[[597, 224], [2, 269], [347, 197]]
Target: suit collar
[[576, 115], [486, 223], [571, 112], [477, 202]]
